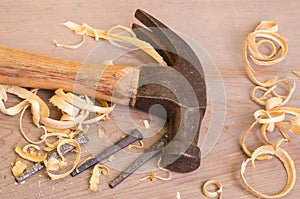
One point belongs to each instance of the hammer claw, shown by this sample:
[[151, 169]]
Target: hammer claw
[[158, 34], [148, 36], [181, 52]]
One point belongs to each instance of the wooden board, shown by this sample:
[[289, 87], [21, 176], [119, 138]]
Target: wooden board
[[219, 27]]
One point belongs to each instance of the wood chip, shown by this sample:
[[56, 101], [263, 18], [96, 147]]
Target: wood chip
[[284, 157], [18, 168], [30, 157], [212, 194], [95, 177]]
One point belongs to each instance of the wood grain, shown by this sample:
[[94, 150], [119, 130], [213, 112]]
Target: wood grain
[[32, 70], [220, 27]]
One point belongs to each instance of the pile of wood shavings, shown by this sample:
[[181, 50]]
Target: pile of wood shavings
[[76, 111], [274, 114]]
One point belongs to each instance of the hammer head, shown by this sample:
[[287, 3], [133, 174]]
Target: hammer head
[[179, 88]]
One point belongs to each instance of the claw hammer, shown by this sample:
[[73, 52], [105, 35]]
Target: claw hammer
[[180, 87]]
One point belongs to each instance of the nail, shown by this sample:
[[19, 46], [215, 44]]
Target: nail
[[155, 149], [134, 136]]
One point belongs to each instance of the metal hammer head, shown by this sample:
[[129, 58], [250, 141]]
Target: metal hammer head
[[179, 88]]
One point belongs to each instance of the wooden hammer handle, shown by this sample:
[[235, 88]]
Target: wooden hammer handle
[[112, 83]]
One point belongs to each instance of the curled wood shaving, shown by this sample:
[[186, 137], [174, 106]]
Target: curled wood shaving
[[76, 110], [86, 30], [24, 94], [74, 46], [294, 124], [126, 29], [153, 175], [140, 146], [54, 164], [178, 195], [267, 117], [274, 115], [18, 168], [64, 106], [266, 31], [53, 130], [284, 157], [146, 124], [276, 99], [31, 147], [52, 146], [59, 137], [213, 194], [297, 73], [104, 103], [100, 133], [110, 158], [80, 103], [39, 126], [29, 156], [244, 147], [263, 133], [94, 180]]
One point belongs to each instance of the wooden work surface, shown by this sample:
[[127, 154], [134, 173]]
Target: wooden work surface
[[220, 27]]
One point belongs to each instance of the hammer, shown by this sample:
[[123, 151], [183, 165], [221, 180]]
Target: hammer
[[180, 87]]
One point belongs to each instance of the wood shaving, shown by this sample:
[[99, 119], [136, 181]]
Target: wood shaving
[[212, 194], [38, 125], [126, 29], [263, 133], [244, 147], [18, 168], [140, 146], [146, 124], [178, 195], [274, 114], [153, 175], [95, 177], [59, 137], [110, 158], [297, 73], [284, 157], [54, 164], [52, 146], [31, 147], [76, 110], [100, 133], [74, 46], [266, 31], [86, 30], [29, 156], [275, 98]]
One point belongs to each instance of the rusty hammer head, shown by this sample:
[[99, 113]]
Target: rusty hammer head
[[179, 88]]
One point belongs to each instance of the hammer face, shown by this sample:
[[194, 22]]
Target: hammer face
[[178, 158]]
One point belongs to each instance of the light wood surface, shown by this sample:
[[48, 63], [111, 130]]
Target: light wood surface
[[220, 27]]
